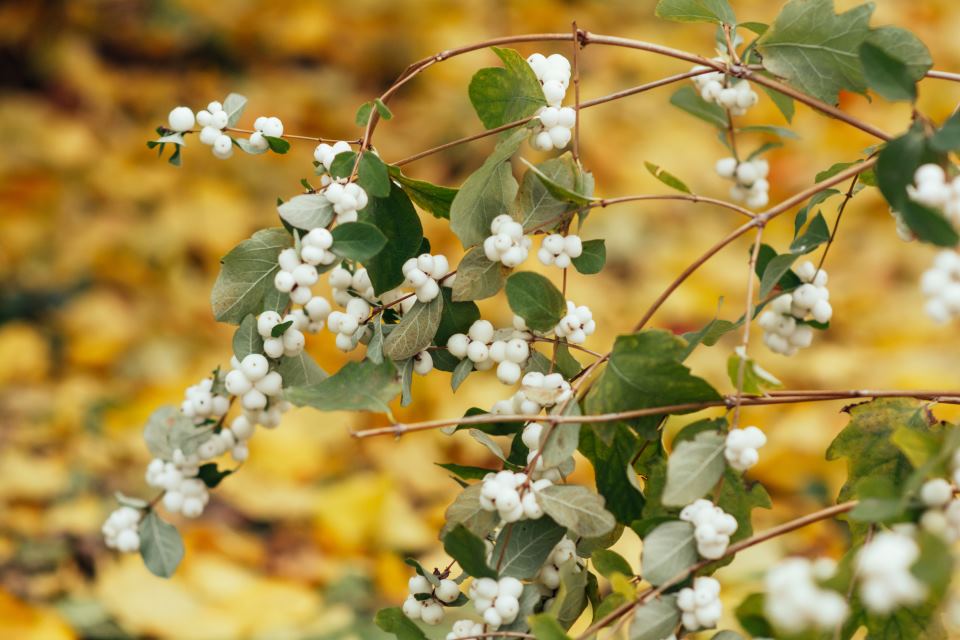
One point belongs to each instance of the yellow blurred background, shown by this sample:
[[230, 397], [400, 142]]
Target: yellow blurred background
[[107, 256]]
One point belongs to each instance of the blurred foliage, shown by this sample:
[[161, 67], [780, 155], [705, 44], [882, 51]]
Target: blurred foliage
[[108, 254]]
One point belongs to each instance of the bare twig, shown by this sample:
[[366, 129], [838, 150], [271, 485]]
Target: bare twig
[[748, 315]]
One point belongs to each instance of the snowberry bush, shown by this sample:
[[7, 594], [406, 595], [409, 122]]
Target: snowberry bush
[[529, 550]]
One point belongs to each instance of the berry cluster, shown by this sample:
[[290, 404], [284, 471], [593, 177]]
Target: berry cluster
[[295, 276], [730, 93], [184, 493], [325, 153], [498, 601], [346, 324], [280, 335], [713, 527], [883, 567], [424, 273], [202, 404], [342, 282], [512, 495], [549, 576], [537, 391], [795, 602], [553, 72], [700, 604], [559, 250], [506, 244], [576, 325], [347, 199], [941, 284], [120, 531], [315, 247], [252, 380], [465, 629], [265, 127], [429, 609], [786, 324], [750, 180], [483, 348], [932, 189], [213, 119], [741, 447]]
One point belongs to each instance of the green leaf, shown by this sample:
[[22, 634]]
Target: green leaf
[[609, 562], [358, 386], [726, 634], [487, 193], [756, 379], [578, 509], [300, 370], [708, 335], [281, 328], [563, 439], [523, 547], [307, 211], [529, 600], [383, 109], [689, 100], [396, 218], [895, 168], [465, 472], [718, 11], [919, 446], [357, 241], [415, 331], [538, 208], [460, 373], [784, 103], [567, 365], [666, 177], [815, 49], [455, 317], [160, 545], [593, 258], [466, 510], [393, 621], [751, 617], [546, 627], [694, 468], [894, 60], [469, 551], [363, 114], [277, 145], [866, 442], [372, 173], [645, 370], [655, 619], [947, 138], [432, 198], [246, 339], [233, 105], [739, 498], [211, 474], [781, 132], [612, 466], [502, 95], [668, 550], [477, 277], [557, 189], [168, 430], [535, 299], [246, 274]]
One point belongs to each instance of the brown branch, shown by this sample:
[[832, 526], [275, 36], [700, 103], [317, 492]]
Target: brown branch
[[747, 316], [576, 92], [606, 202], [781, 397]]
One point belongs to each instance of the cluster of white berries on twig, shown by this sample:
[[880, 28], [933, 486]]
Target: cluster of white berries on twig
[[786, 324], [553, 72], [506, 243], [425, 273], [252, 380], [795, 601], [184, 492], [933, 189], [549, 576], [559, 251], [712, 527], [741, 447], [883, 567], [750, 180], [497, 601], [509, 349], [265, 127], [577, 324], [941, 285], [533, 437], [512, 495], [347, 324], [537, 392], [700, 606], [735, 95], [429, 607], [120, 531]]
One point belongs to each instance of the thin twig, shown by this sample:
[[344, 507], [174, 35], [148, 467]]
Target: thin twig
[[576, 93], [694, 198], [742, 353]]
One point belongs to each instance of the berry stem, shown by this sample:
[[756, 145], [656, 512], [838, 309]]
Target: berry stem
[[747, 317]]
